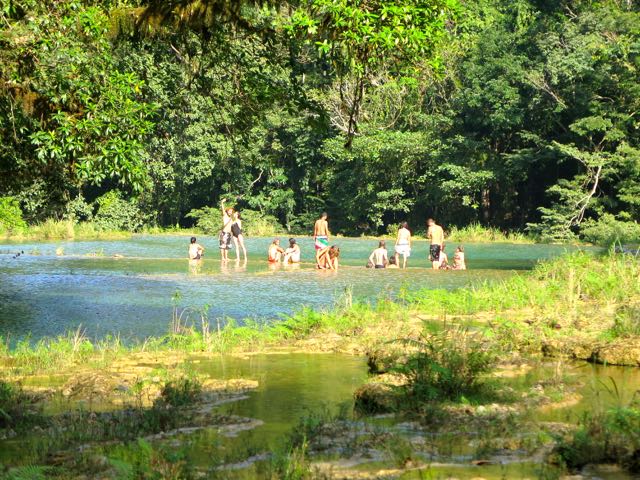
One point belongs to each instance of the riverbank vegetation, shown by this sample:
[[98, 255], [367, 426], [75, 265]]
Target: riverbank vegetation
[[515, 115], [455, 369]]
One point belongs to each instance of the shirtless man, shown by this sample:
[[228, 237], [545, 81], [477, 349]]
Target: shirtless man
[[379, 256], [195, 250], [274, 255], [321, 235], [403, 243], [436, 235], [225, 234]]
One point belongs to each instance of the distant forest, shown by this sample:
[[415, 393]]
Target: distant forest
[[518, 114]]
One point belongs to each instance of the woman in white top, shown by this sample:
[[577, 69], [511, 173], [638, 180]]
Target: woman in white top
[[403, 243], [292, 253]]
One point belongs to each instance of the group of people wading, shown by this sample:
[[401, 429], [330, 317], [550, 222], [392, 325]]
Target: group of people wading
[[327, 256]]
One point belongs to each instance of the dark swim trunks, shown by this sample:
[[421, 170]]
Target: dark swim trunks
[[434, 250], [380, 266], [225, 240]]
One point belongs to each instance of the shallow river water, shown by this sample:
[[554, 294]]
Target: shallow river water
[[127, 286]]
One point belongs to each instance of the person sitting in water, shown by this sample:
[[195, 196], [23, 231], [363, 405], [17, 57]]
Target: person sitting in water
[[458, 259], [195, 250], [328, 258], [394, 261], [275, 252], [379, 256], [443, 260], [403, 243], [292, 253]]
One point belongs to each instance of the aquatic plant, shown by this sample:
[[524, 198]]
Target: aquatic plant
[[450, 364], [180, 392], [18, 410]]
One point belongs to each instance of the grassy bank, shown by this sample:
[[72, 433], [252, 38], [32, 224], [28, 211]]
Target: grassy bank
[[62, 230], [476, 233]]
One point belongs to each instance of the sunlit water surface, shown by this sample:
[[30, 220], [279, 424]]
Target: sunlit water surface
[[128, 286]]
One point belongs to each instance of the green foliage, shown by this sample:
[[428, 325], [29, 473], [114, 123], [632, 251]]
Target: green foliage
[[17, 409], [116, 213], [448, 365], [626, 322], [609, 437], [208, 219], [501, 113], [11, 220], [477, 233], [608, 231], [181, 392]]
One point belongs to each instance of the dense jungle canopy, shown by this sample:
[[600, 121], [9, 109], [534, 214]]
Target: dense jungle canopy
[[521, 114]]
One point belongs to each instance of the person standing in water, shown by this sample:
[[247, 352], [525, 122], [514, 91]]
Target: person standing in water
[[225, 233], [379, 256], [321, 235], [238, 237], [403, 243], [436, 235], [292, 254], [196, 251]]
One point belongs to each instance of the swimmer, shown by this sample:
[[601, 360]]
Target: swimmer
[[379, 256], [225, 233], [196, 251], [458, 259], [292, 253], [275, 252], [328, 258], [237, 236], [403, 243], [443, 260], [321, 236], [435, 233]]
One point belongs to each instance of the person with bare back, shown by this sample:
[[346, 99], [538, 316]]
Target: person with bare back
[[225, 233], [435, 233], [321, 235]]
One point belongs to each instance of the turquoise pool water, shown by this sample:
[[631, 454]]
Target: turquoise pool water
[[126, 286]]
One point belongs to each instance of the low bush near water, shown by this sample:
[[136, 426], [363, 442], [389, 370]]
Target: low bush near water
[[610, 437], [447, 365]]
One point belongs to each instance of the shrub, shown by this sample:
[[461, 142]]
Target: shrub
[[208, 219], [180, 392], [260, 225], [16, 407], [11, 215], [79, 210], [448, 365], [610, 437], [115, 213], [607, 231], [627, 321]]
